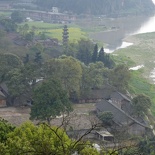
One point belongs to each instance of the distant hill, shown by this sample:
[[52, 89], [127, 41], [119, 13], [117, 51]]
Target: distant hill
[[100, 7]]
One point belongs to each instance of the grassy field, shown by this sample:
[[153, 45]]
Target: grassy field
[[139, 85], [5, 13], [141, 53], [55, 30]]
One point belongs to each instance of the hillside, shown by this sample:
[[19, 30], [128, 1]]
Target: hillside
[[100, 7]]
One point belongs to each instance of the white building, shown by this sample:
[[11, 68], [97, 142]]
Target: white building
[[55, 10]]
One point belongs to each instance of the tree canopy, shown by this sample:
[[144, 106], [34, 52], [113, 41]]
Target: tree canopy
[[5, 129], [141, 104], [17, 16], [34, 140], [119, 77], [29, 139], [49, 100], [7, 63]]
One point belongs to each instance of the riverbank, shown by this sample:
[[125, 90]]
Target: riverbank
[[142, 52]]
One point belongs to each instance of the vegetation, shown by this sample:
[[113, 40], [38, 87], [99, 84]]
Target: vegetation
[[140, 83], [120, 77], [106, 118], [100, 7], [55, 30], [141, 104], [5, 129], [17, 17], [33, 140], [51, 84], [7, 63], [8, 24], [49, 101], [43, 139]]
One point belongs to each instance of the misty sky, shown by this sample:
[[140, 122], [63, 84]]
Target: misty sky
[[153, 1]]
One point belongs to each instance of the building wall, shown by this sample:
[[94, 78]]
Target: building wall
[[48, 16], [5, 6], [136, 129]]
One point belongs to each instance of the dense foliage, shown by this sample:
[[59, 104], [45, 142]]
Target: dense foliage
[[100, 7], [42, 139], [141, 104], [5, 129], [29, 139], [49, 101]]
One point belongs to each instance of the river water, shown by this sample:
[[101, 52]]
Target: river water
[[121, 28]]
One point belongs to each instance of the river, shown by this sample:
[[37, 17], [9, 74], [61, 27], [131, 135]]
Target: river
[[120, 28]]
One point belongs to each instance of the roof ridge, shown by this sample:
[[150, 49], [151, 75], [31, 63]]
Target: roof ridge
[[128, 115]]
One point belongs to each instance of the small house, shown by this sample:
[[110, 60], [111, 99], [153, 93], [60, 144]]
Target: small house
[[122, 118], [104, 136]]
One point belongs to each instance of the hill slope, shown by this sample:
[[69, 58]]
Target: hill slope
[[98, 7]]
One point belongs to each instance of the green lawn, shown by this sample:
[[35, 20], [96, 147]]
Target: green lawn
[[5, 13], [139, 85], [55, 30]]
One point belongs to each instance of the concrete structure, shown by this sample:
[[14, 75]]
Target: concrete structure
[[104, 136], [49, 16], [5, 6], [55, 10]]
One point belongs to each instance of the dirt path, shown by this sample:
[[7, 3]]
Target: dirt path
[[15, 116], [80, 118]]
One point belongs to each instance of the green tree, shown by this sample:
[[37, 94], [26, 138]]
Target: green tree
[[29, 36], [141, 104], [4, 42], [5, 129], [108, 62], [89, 151], [72, 49], [71, 74], [95, 53], [146, 146], [38, 48], [119, 77], [68, 70], [8, 25], [17, 16], [84, 53], [92, 77], [43, 139], [23, 30], [101, 55], [38, 57], [106, 117], [49, 101], [34, 140], [7, 63], [20, 81], [26, 59]]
